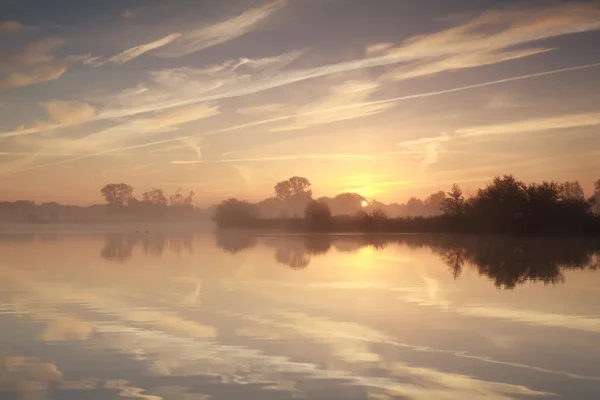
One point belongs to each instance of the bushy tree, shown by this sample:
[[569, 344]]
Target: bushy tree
[[234, 213], [295, 186], [596, 197], [117, 194], [155, 197], [317, 215], [572, 191]]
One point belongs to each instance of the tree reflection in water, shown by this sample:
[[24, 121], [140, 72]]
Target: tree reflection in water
[[507, 261], [119, 247]]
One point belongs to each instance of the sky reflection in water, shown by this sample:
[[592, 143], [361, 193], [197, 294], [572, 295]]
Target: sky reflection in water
[[275, 317]]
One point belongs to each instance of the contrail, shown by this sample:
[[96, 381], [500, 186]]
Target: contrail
[[288, 117]]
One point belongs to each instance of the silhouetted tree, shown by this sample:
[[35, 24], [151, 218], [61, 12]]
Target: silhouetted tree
[[295, 186], [415, 207], [344, 203], [178, 199], [155, 197], [454, 203], [117, 194], [572, 191], [234, 213], [596, 197], [433, 203], [501, 204], [317, 215]]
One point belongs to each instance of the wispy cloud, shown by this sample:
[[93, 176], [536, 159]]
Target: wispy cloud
[[36, 63], [286, 117], [379, 48], [334, 107], [486, 39], [262, 109], [187, 85], [135, 52], [321, 156], [61, 114], [199, 39], [120, 134], [579, 120], [65, 113], [430, 148], [10, 27], [501, 29], [461, 61]]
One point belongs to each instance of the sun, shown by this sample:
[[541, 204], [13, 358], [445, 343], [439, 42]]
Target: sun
[[364, 203]]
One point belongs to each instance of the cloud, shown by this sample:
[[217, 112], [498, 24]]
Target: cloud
[[504, 28], [488, 38], [36, 64], [9, 27], [484, 40], [295, 157], [118, 135], [27, 131], [428, 148], [580, 120], [379, 48], [65, 328], [262, 109], [221, 32], [135, 52], [175, 85], [128, 14], [431, 147], [69, 112], [348, 93], [180, 116], [461, 61]]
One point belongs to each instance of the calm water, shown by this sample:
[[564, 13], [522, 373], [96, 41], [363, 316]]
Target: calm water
[[348, 317]]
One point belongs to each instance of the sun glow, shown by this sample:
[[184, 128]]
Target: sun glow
[[364, 203]]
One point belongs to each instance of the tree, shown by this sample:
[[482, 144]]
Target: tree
[[415, 207], [117, 194], [596, 197], [317, 215], [345, 203], [155, 197], [433, 203], [189, 198], [295, 186], [501, 204], [233, 213], [178, 199], [572, 191], [379, 215], [454, 203]]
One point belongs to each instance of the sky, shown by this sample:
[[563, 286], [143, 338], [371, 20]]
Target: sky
[[388, 98]]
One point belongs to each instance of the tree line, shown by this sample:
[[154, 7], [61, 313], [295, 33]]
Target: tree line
[[506, 205], [120, 205]]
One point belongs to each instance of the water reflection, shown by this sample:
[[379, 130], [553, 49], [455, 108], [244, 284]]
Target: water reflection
[[281, 317], [507, 261], [119, 248]]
